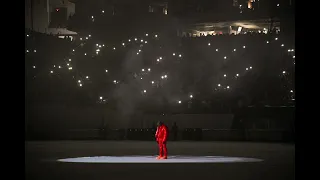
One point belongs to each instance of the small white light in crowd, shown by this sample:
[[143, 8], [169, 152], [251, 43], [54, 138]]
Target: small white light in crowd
[[34, 50], [247, 69], [179, 102], [80, 39], [289, 50], [129, 40], [67, 64], [141, 78], [149, 69], [101, 97], [228, 87], [80, 85], [34, 67], [106, 70], [152, 82], [244, 47], [147, 34], [250, 67], [135, 39], [234, 50], [165, 76], [73, 50], [209, 44], [291, 91], [217, 50], [141, 40], [162, 77], [219, 85], [278, 5], [87, 38], [293, 57], [237, 75], [114, 48], [98, 50], [54, 66], [137, 53], [59, 67], [99, 46], [89, 35], [92, 17], [87, 77], [283, 72], [79, 81], [85, 54], [139, 50], [27, 35], [123, 44], [275, 38], [180, 55], [102, 11], [225, 57], [70, 68], [69, 59], [142, 69], [160, 58], [103, 45], [114, 81], [282, 45], [27, 51], [144, 91], [267, 42], [292, 50], [51, 72], [146, 42], [174, 54], [155, 35], [224, 75], [191, 96]]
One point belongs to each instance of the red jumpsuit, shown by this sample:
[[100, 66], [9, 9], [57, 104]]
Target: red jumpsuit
[[161, 137]]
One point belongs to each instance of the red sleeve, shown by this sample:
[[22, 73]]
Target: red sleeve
[[157, 132]]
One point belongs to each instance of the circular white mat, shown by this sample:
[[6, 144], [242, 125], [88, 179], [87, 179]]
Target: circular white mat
[[152, 159]]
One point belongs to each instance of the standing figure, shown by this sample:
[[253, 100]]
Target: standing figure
[[161, 137]]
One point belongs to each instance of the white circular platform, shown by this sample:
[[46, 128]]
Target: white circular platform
[[152, 159]]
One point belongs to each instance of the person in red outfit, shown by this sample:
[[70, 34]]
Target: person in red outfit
[[161, 137]]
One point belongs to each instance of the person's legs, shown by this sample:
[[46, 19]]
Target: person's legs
[[160, 144], [164, 151]]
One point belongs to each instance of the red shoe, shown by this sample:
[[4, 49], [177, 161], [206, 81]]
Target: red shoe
[[159, 157], [164, 157]]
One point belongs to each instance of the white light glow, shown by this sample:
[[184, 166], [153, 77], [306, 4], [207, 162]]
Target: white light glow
[[191, 96], [149, 69], [217, 50], [219, 85], [87, 77], [243, 47], [100, 97], [209, 44], [179, 102], [224, 75]]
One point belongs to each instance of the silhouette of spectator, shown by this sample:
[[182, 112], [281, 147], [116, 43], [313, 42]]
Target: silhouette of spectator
[[175, 131]]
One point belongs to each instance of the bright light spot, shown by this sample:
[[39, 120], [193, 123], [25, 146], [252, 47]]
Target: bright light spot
[[69, 59], [141, 78], [80, 39], [103, 45], [247, 69], [147, 34], [146, 42], [34, 50], [278, 5], [27, 51], [289, 50], [123, 44], [141, 40], [165, 76], [129, 40], [87, 38], [162, 77], [191, 96], [101, 98], [80, 85], [244, 46], [68, 64], [155, 35], [73, 50], [51, 72], [209, 44], [92, 17], [292, 50], [85, 54], [180, 55], [225, 57], [149, 69], [219, 85], [98, 50], [137, 53], [70, 68], [267, 42], [89, 35], [291, 91], [102, 11], [142, 69], [34, 67], [135, 39], [217, 50], [228, 87], [224, 75], [152, 82], [27, 35], [139, 50], [79, 81], [174, 54], [275, 38], [293, 57], [283, 72], [54, 66], [250, 67], [234, 50], [114, 48], [237, 75], [106, 70], [282, 45], [114, 81], [160, 58], [144, 91]]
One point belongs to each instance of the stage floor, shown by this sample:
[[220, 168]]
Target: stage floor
[[92, 160]]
